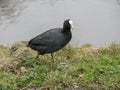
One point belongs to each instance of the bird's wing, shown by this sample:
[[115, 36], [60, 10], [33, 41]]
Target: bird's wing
[[48, 38]]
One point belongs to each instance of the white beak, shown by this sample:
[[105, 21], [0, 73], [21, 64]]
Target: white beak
[[71, 23]]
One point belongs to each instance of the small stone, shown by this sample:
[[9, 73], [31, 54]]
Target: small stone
[[23, 69], [80, 75]]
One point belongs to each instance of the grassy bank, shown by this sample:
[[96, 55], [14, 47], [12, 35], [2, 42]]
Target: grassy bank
[[82, 68]]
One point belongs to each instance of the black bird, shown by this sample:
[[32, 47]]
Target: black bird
[[52, 40]]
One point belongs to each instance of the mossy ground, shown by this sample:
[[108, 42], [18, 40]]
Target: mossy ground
[[81, 68]]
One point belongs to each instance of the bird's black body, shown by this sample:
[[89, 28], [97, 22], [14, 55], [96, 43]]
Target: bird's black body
[[51, 40]]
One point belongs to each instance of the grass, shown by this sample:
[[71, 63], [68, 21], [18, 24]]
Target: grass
[[84, 68]]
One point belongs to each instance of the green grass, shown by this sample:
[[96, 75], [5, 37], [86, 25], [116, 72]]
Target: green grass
[[86, 66]]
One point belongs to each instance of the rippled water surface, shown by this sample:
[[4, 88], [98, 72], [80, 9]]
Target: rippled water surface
[[96, 21]]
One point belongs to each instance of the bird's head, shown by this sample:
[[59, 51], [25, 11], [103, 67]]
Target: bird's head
[[68, 24]]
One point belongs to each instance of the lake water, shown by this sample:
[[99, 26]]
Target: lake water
[[96, 21]]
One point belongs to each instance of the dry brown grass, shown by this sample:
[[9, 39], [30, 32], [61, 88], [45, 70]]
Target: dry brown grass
[[4, 52]]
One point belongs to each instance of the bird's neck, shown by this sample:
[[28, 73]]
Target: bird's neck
[[66, 29]]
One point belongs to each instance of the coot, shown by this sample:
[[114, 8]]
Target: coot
[[52, 40]]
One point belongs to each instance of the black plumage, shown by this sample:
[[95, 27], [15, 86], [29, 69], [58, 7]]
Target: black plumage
[[52, 40]]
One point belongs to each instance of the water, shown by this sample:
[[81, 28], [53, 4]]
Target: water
[[96, 21]]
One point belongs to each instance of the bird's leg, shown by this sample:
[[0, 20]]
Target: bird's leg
[[52, 64], [52, 56], [36, 58]]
